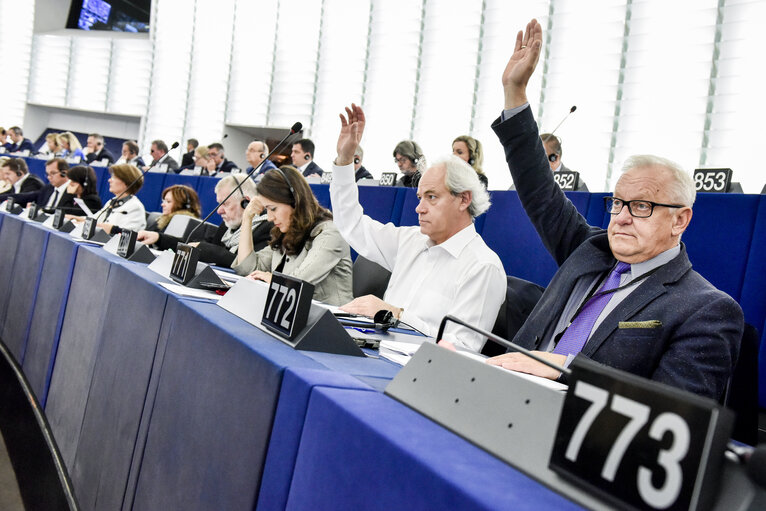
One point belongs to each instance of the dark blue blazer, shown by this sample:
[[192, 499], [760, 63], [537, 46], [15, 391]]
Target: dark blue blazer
[[226, 166], [24, 145], [313, 168], [266, 166], [29, 192], [696, 343], [103, 153]]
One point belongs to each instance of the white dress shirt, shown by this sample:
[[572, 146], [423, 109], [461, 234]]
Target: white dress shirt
[[17, 184], [55, 198], [461, 276], [129, 215]]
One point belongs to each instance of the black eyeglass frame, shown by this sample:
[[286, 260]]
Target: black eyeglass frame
[[630, 207]]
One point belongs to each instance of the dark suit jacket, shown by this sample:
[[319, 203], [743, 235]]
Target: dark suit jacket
[[24, 145], [226, 166], [696, 344], [266, 166], [171, 163], [45, 193], [211, 249], [313, 168], [30, 190], [70, 208], [362, 173], [188, 159], [103, 153]]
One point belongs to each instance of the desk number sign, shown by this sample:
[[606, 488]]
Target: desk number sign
[[388, 179], [712, 180], [567, 179], [58, 219], [287, 305], [326, 178], [637, 443], [127, 243], [89, 228], [184, 264]]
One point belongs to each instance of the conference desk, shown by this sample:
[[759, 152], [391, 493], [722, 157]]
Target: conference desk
[[158, 401]]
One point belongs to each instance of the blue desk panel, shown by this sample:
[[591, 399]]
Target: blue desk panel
[[81, 334], [133, 314], [9, 241], [23, 289], [48, 315], [363, 450]]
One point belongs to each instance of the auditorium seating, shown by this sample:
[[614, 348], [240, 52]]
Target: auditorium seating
[[725, 240]]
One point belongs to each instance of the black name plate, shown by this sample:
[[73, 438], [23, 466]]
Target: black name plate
[[287, 305], [184, 263], [712, 180], [567, 179], [388, 179], [638, 443], [127, 243]]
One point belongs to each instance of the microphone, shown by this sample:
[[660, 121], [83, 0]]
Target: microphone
[[295, 129], [562, 122], [175, 144], [225, 135], [501, 341], [753, 458]]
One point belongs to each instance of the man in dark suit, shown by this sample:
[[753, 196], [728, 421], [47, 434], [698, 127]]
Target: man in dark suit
[[664, 321], [15, 171], [97, 151], [130, 154], [160, 156], [302, 155], [188, 158], [552, 145], [215, 153], [19, 143]]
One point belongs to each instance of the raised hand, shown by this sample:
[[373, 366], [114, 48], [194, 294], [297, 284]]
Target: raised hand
[[351, 131], [522, 64]]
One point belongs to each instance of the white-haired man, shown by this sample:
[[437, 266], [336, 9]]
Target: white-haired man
[[442, 267], [220, 247], [627, 296]]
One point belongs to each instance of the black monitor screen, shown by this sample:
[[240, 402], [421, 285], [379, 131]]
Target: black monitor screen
[[114, 15]]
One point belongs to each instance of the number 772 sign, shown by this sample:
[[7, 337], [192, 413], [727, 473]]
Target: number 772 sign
[[638, 443]]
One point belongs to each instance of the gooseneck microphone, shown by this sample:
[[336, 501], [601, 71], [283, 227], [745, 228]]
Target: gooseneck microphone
[[175, 144], [574, 107], [297, 127]]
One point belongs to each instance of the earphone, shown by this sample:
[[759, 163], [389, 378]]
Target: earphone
[[289, 184], [187, 201], [356, 160], [553, 157], [307, 156]]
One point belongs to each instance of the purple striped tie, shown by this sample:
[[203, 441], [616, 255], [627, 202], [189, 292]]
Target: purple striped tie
[[577, 333]]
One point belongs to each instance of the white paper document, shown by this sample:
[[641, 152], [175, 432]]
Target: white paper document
[[190, 292]]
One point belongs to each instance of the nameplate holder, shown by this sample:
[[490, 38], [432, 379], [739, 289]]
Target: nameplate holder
[[91, 231], [567, 180], [712, 180], [128, 248], [11, 206], [33, 210], [638, 443], [326, 178], [60, 223], [388, 179]]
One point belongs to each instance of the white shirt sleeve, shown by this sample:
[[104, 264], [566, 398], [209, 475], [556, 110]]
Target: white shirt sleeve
[[373, 240]]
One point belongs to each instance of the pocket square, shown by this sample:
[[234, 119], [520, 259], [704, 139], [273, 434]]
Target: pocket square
[[652, 323]]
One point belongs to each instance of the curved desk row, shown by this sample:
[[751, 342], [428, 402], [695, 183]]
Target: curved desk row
[[158, 401]]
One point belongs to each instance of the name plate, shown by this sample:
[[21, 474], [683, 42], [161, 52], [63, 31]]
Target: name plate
[[184, 264], [638, 443], [567, 179], [388, 179], [127, 244], [326, 178], [89, 228], [287, 305], [33, 210], [58, 219], [712, 180]]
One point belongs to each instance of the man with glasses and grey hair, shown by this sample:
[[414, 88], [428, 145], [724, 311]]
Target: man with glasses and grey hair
[[441, 267], [627, 296]]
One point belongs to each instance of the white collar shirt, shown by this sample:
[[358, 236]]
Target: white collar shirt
[[55, 198], [462, 276], [17, 184]]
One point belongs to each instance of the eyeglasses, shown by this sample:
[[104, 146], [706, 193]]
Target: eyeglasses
[[402, 160], [637, 208]]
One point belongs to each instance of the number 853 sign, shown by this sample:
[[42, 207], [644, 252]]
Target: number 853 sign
[[640, 444]]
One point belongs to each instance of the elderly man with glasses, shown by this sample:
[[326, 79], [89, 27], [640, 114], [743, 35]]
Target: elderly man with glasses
[[626, 296]]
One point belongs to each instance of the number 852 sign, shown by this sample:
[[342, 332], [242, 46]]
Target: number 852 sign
[[640, 444]]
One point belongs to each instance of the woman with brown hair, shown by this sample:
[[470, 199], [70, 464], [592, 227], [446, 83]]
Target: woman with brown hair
[[176, 200], [304, 244], [125, 210]]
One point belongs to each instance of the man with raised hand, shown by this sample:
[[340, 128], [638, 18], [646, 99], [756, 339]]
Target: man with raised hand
[[626, 296], [441, 267]]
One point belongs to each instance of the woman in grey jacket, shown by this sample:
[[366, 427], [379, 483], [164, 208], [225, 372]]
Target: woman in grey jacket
[[304, 244]]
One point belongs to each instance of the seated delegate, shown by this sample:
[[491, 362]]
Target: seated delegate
[[83, 185], [220, 246], [176, 200], [304, 244], [124, 210]]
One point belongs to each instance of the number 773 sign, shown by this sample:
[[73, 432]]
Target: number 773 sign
[[638, 443]]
